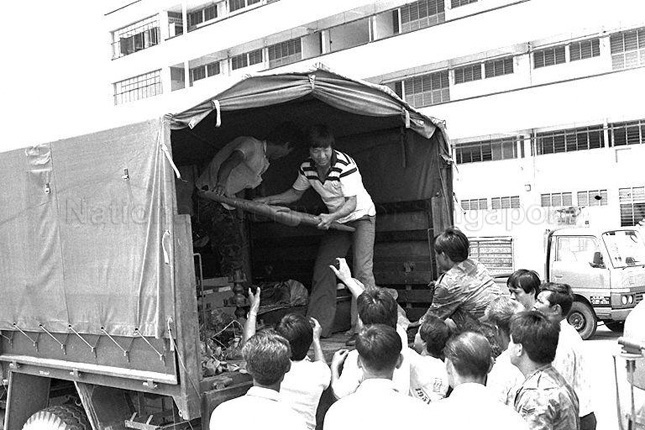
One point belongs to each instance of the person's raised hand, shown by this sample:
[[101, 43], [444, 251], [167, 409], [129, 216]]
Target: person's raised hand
[[254, 299], [339, 358], [342, 272], [317, 328]]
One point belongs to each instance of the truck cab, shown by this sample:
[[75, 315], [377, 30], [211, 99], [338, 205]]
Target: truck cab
[[606, 270]]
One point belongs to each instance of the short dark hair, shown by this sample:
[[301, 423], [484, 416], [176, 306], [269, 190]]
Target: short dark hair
[[285, 132], [470, 354], [379, 347], [500, 311], [267, 356], [561, 294], [454, 243], [537, 335], [297, 329], [377, 307], [319, 136], [435, 333], [527, 280]]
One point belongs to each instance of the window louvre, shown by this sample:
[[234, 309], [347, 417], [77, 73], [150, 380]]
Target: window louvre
[[632, 205], [469, 73], [584, 49], [499, 67], [486, 150], [508, 202], [421, 14], [627, 133], [457, 3], [286, 52], [474, 204], [592, 198], [556, 199], [575, 139], [549, 57], [138, 87], [425, 90], [627, 49], [136, 37]]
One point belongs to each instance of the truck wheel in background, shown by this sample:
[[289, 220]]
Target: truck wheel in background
[[583, 318], [615, 326], [58, 418]]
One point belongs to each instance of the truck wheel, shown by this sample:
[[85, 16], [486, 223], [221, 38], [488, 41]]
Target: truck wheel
[[583, 319], [615, 326], [58, 418]]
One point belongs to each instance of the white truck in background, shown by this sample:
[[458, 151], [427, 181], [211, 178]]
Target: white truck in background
[[604, 266]]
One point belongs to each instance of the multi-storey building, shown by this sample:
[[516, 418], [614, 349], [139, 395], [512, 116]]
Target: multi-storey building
[[542, 98]]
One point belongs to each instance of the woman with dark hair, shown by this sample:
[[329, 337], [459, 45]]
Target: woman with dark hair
[[524, 286]]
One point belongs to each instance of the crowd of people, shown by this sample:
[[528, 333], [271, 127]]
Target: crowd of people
[[451, 375], [482, 357]]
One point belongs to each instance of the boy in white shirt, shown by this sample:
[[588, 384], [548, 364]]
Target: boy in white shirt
[[305, 382]]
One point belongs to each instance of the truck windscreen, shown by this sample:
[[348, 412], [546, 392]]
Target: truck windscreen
[[626, 248]]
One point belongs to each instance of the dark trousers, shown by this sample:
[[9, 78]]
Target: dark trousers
[[588, 422], [335, 244]]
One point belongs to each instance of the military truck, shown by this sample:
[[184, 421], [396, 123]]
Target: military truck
[[99, 322]]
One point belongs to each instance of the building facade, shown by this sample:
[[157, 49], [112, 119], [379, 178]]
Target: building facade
[[542, 98]]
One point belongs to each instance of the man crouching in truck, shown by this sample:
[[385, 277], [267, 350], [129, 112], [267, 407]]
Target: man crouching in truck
[[237, 166], [335, 176]]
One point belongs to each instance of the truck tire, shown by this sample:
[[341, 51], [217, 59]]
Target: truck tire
[[58, 418], [615, 326], [583, 318]]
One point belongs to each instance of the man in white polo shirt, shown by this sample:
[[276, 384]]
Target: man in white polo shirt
[[335, 176]]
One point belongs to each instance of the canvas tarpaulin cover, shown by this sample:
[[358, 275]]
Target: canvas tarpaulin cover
[[350, 95], [86, 234]]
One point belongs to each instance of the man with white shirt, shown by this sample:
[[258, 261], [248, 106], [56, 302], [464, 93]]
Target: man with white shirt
[[375, 306], [267, 356], [555, 301], [377, 404], [471, 404], [334, 175]]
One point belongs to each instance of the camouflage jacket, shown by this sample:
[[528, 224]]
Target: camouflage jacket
[[546, 401]]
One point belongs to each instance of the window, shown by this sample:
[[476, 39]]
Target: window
[[234, 5], [135, 37], [576, 249], [487, 150], [396, 86], [285, 53], [457, 3], [175, 24], [584, 49], [499, 67], [632, 205], [246, 59], [592, 198], [575, 139], [627, 133], [468, 73], [138, 87], [474, 204], [421, 14], [548, 57], [202, 15], [205, 71], [627, 49], [508, 202], [556, 199], [427, 89]]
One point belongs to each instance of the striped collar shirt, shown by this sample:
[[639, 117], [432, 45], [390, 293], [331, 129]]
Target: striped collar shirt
[[343, 180]]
